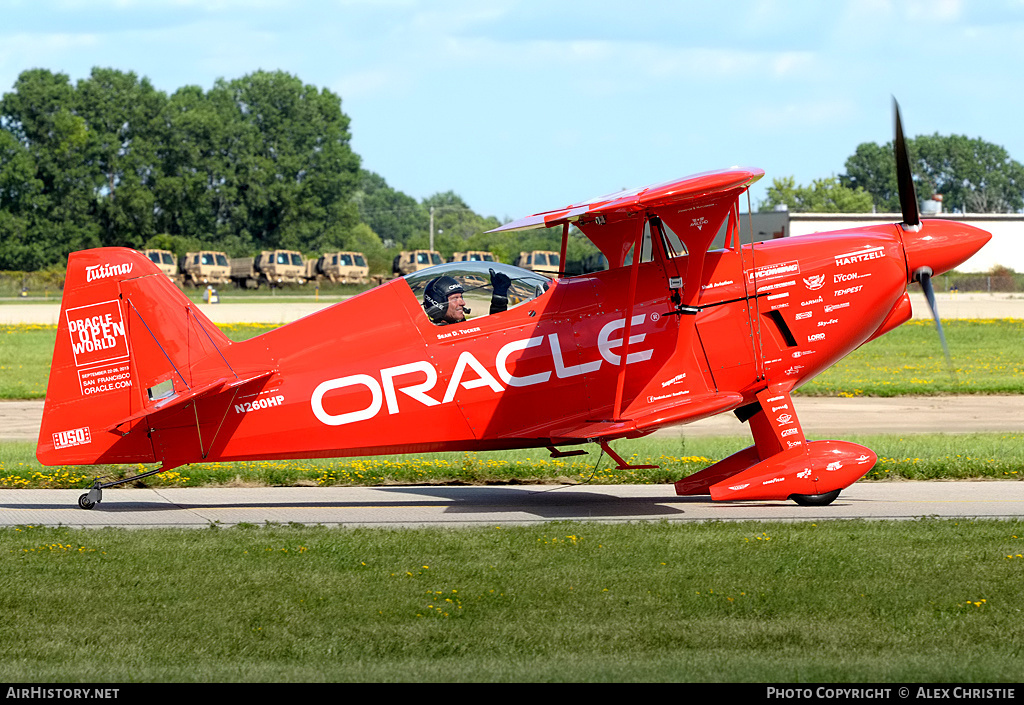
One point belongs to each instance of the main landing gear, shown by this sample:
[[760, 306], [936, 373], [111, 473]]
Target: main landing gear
[[815, 500]]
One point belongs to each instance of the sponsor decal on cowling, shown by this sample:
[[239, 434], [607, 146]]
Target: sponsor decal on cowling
[[774, 271], [832, 307], [862, 255], [814, 282], [848, 277], [848, 290]]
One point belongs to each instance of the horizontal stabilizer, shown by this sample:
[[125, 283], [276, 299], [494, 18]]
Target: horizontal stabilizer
[[178, 401]]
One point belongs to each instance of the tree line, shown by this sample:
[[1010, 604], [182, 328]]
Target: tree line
[[971, 175], [259, 162], [265, 162]]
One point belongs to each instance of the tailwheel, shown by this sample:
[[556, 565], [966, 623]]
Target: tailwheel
[[91, 498], [815, 500]]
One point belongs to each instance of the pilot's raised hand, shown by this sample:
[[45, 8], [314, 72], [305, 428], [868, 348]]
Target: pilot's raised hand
[[500, 282]]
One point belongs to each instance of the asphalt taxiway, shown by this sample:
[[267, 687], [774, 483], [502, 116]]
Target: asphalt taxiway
[[444, 506]]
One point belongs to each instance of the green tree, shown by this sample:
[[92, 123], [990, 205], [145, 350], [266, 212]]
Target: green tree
[[122, 113], [40, 115], [972, 175], [393, 215], [822, 196]]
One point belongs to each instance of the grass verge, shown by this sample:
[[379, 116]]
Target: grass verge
[[908, 360], [914, 601], [912, 457]]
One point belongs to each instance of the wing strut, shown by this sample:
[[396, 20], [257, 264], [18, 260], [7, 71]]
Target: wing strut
[[561, 255], [633, 273]]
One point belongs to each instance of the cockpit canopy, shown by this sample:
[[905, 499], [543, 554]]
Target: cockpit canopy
[[475, 278]]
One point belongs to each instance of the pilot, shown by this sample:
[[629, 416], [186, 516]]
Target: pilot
[[444, 304]]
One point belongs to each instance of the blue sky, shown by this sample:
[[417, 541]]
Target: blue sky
[[521, 106]]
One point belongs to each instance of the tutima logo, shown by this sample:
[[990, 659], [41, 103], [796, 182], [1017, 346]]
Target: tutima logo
[[74, 437], [104, 271]]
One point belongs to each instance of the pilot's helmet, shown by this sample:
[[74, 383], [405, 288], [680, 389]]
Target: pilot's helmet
[[435, 297]]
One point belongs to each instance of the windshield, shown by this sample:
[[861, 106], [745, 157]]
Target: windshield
[[360, 262], [476, 281], [222, 260], [296, 260], [168, 258]]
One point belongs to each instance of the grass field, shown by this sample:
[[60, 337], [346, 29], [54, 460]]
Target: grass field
[[908, 360], [913, 457], [917, 601]]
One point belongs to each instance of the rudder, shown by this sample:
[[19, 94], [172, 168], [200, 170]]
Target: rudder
[[127, 338]]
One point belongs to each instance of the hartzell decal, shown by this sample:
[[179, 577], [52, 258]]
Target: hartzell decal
[[469, 373], [860, 256], [103, 271]]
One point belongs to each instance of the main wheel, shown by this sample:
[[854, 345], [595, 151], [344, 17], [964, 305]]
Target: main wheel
[[85, 503], [815, 500]]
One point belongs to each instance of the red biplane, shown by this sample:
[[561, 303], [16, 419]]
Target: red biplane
[[680, 327]]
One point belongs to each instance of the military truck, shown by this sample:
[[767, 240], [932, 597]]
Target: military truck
[[270, 267], [339, 267], [540, 261], [411, 261], [473, 256], [165, 260], [205, 267]]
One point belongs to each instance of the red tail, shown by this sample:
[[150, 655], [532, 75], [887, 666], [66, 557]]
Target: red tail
[[128, 341]]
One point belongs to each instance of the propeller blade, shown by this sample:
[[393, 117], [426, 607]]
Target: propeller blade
[[904, 177], [924, 276]]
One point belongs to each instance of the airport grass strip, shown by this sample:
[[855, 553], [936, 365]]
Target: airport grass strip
[[912, 457], [907, 361], [828, 602]]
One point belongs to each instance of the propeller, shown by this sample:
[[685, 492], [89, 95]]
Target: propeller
[[912, 223]]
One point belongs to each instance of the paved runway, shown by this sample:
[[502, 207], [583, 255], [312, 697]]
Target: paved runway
[[266, 310], [461, 506], [819, 416]]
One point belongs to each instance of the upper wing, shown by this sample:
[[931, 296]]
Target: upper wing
[[711, 185]]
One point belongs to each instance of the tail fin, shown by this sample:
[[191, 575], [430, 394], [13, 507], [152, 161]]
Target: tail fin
[[128, 340]]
